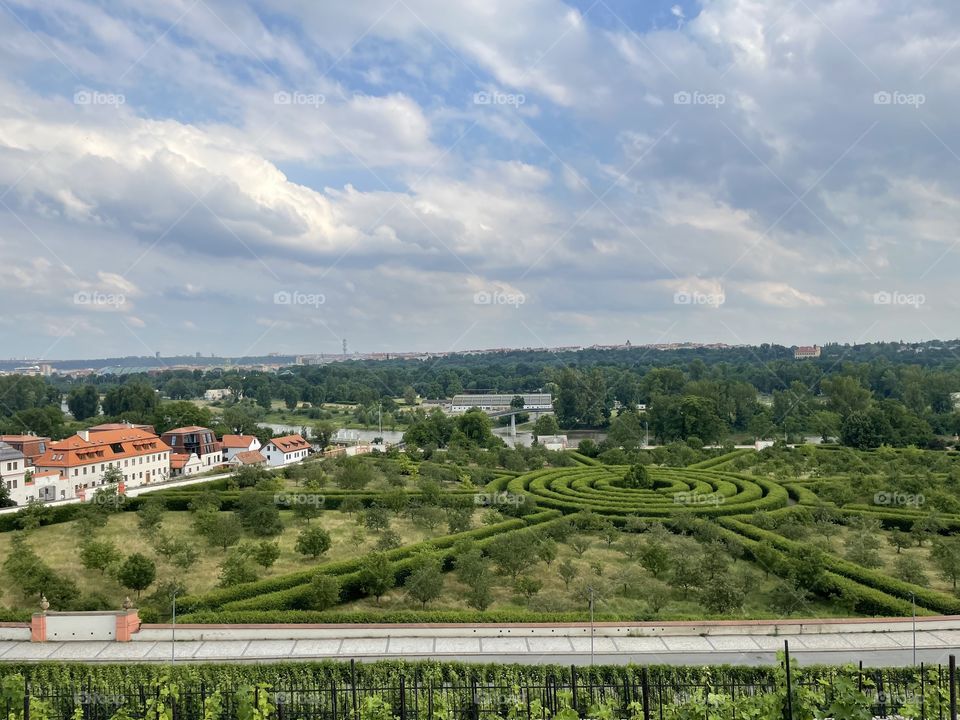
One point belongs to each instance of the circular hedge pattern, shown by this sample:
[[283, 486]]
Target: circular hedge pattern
[[675, 490]]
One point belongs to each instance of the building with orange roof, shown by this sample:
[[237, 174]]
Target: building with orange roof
[[195, 440], [248, 457], [183, 464], [285, 450], [32, 446], [82, 460], [235, 444]]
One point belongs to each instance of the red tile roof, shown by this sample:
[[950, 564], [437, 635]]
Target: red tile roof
[[104, 446], [251, 457], [238, 441], [290, 443]]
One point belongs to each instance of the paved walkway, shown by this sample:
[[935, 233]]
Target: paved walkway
[[720, 644]]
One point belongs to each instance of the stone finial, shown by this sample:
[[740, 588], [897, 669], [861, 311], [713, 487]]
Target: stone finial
[[127, 603], [44, 605]]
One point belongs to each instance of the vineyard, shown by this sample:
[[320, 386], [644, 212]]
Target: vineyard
[[740, 534], [433, 691]]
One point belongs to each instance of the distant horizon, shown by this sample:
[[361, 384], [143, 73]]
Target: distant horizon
[[362, 354]]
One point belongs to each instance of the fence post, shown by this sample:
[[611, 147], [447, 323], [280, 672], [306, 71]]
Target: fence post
[[786, 658], [403, 698], [474, 705], [26, 699], [333, 698], [573, 687], [645, 679], [953, 687], [353, 687]]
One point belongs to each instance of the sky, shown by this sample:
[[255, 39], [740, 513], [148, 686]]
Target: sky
[[240, 178]]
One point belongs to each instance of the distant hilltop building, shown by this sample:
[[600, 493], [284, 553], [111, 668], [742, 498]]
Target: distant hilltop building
[[806, 352]]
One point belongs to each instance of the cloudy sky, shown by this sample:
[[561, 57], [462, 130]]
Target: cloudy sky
[[239, 177]]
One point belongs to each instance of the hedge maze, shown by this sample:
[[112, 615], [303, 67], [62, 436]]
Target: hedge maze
[[708, 501]]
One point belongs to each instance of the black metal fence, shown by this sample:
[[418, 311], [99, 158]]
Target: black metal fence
[[928, 693]]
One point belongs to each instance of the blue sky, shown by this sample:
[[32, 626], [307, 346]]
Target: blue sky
[[253, 177]]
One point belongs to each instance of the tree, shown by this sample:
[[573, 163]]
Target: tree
[[425, 583], [655, 557], [324, 591], [266, 553], [222, 529], [133, 400], [180, 413], [84, 402], [259, 514], [376, 575], [527, 586], [722, 594], [409, 396], [513, 552], [376, 518], [546, 425], [567, 572], [638, 478], [579, 544], [547, 550], [388, 540], [237, 569], [98, 555], [137, 572], [899, 539], [313, 541], [459, 518], [480, 595], [908, 570], [945, 554], [150, 515]]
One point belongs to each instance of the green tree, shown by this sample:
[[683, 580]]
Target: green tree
[[313, 541], [376, 575], [513, 552], [546, 425], [425, 582], [98, 555], [567, 572], [266, 553], [638, 478], [236, 569], [84, 402], [324, 591], [137, 573], [259, 514], [945, 554]]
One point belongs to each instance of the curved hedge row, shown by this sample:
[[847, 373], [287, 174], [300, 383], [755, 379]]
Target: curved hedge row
[[218, 598], [930, 599]]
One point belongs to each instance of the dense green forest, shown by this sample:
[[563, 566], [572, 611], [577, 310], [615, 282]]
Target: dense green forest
[[864, 396]]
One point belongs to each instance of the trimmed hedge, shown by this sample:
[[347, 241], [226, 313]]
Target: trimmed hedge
[[218, 598], [397, 616], [931, 599]]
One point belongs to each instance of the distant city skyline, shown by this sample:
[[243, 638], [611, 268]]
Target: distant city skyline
[[251, 176]]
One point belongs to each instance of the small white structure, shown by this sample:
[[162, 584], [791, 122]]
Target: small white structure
[[183, 464], [553, 442], [500, 402], [285, 450], [235, 444], [216, 394]]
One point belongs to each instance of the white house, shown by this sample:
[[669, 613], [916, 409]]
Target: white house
[[285, 450], [13, 467], [183, 464], [234, 444], [81, 460]]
